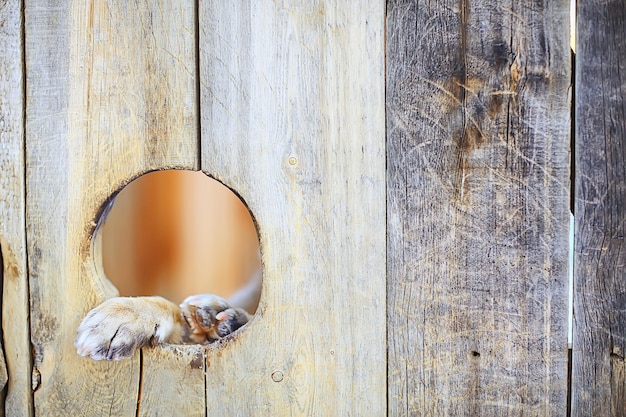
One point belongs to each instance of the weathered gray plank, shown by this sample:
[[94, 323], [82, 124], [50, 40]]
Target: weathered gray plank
[[599, 368], [478, 141], [15, 308], [111, 94], [292, 111]]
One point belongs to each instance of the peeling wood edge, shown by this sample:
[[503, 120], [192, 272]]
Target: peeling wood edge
[[205, 367], [22, 348], [571, 285], [198, 88], [3, 370], [140, 385]]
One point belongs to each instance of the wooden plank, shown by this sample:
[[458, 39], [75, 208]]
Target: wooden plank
[[171, 374], [111, 94], [15, 309], [599, 368], [477, 209], [292, 116]]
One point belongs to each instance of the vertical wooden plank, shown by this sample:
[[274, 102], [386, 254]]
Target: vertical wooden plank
[[15, 308], [292, 105], [173, 382], [111, 94], [599, 368], [477, 211]]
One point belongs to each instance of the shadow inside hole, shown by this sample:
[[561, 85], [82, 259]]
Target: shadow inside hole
[[179, 233]]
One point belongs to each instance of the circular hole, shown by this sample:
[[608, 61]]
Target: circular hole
[[179, 233], [474, 354]]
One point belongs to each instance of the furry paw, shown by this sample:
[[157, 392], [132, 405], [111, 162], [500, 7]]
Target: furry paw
[[230, 320], [117, 327], [211, 317]]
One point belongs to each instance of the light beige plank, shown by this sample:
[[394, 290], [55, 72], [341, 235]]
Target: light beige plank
[[292, 110], [173, 382], [111, 94], [15, 308]]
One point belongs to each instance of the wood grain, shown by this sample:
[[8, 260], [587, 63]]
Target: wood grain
[[292, 116], [173, 382], [111, 95], [19, 401], [599, 368], [477, 207]]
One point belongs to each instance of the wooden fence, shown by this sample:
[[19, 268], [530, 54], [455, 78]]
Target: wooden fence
[[408, 164]]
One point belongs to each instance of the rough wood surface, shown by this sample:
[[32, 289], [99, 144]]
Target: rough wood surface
[[478, 157], [292, 116], [111, 93], [173, 382], [12, 226], [599, 368]]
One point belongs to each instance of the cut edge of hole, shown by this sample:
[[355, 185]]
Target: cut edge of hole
[[107, 286]]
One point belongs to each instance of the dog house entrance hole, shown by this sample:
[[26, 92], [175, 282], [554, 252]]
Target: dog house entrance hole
[[178, 233]]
